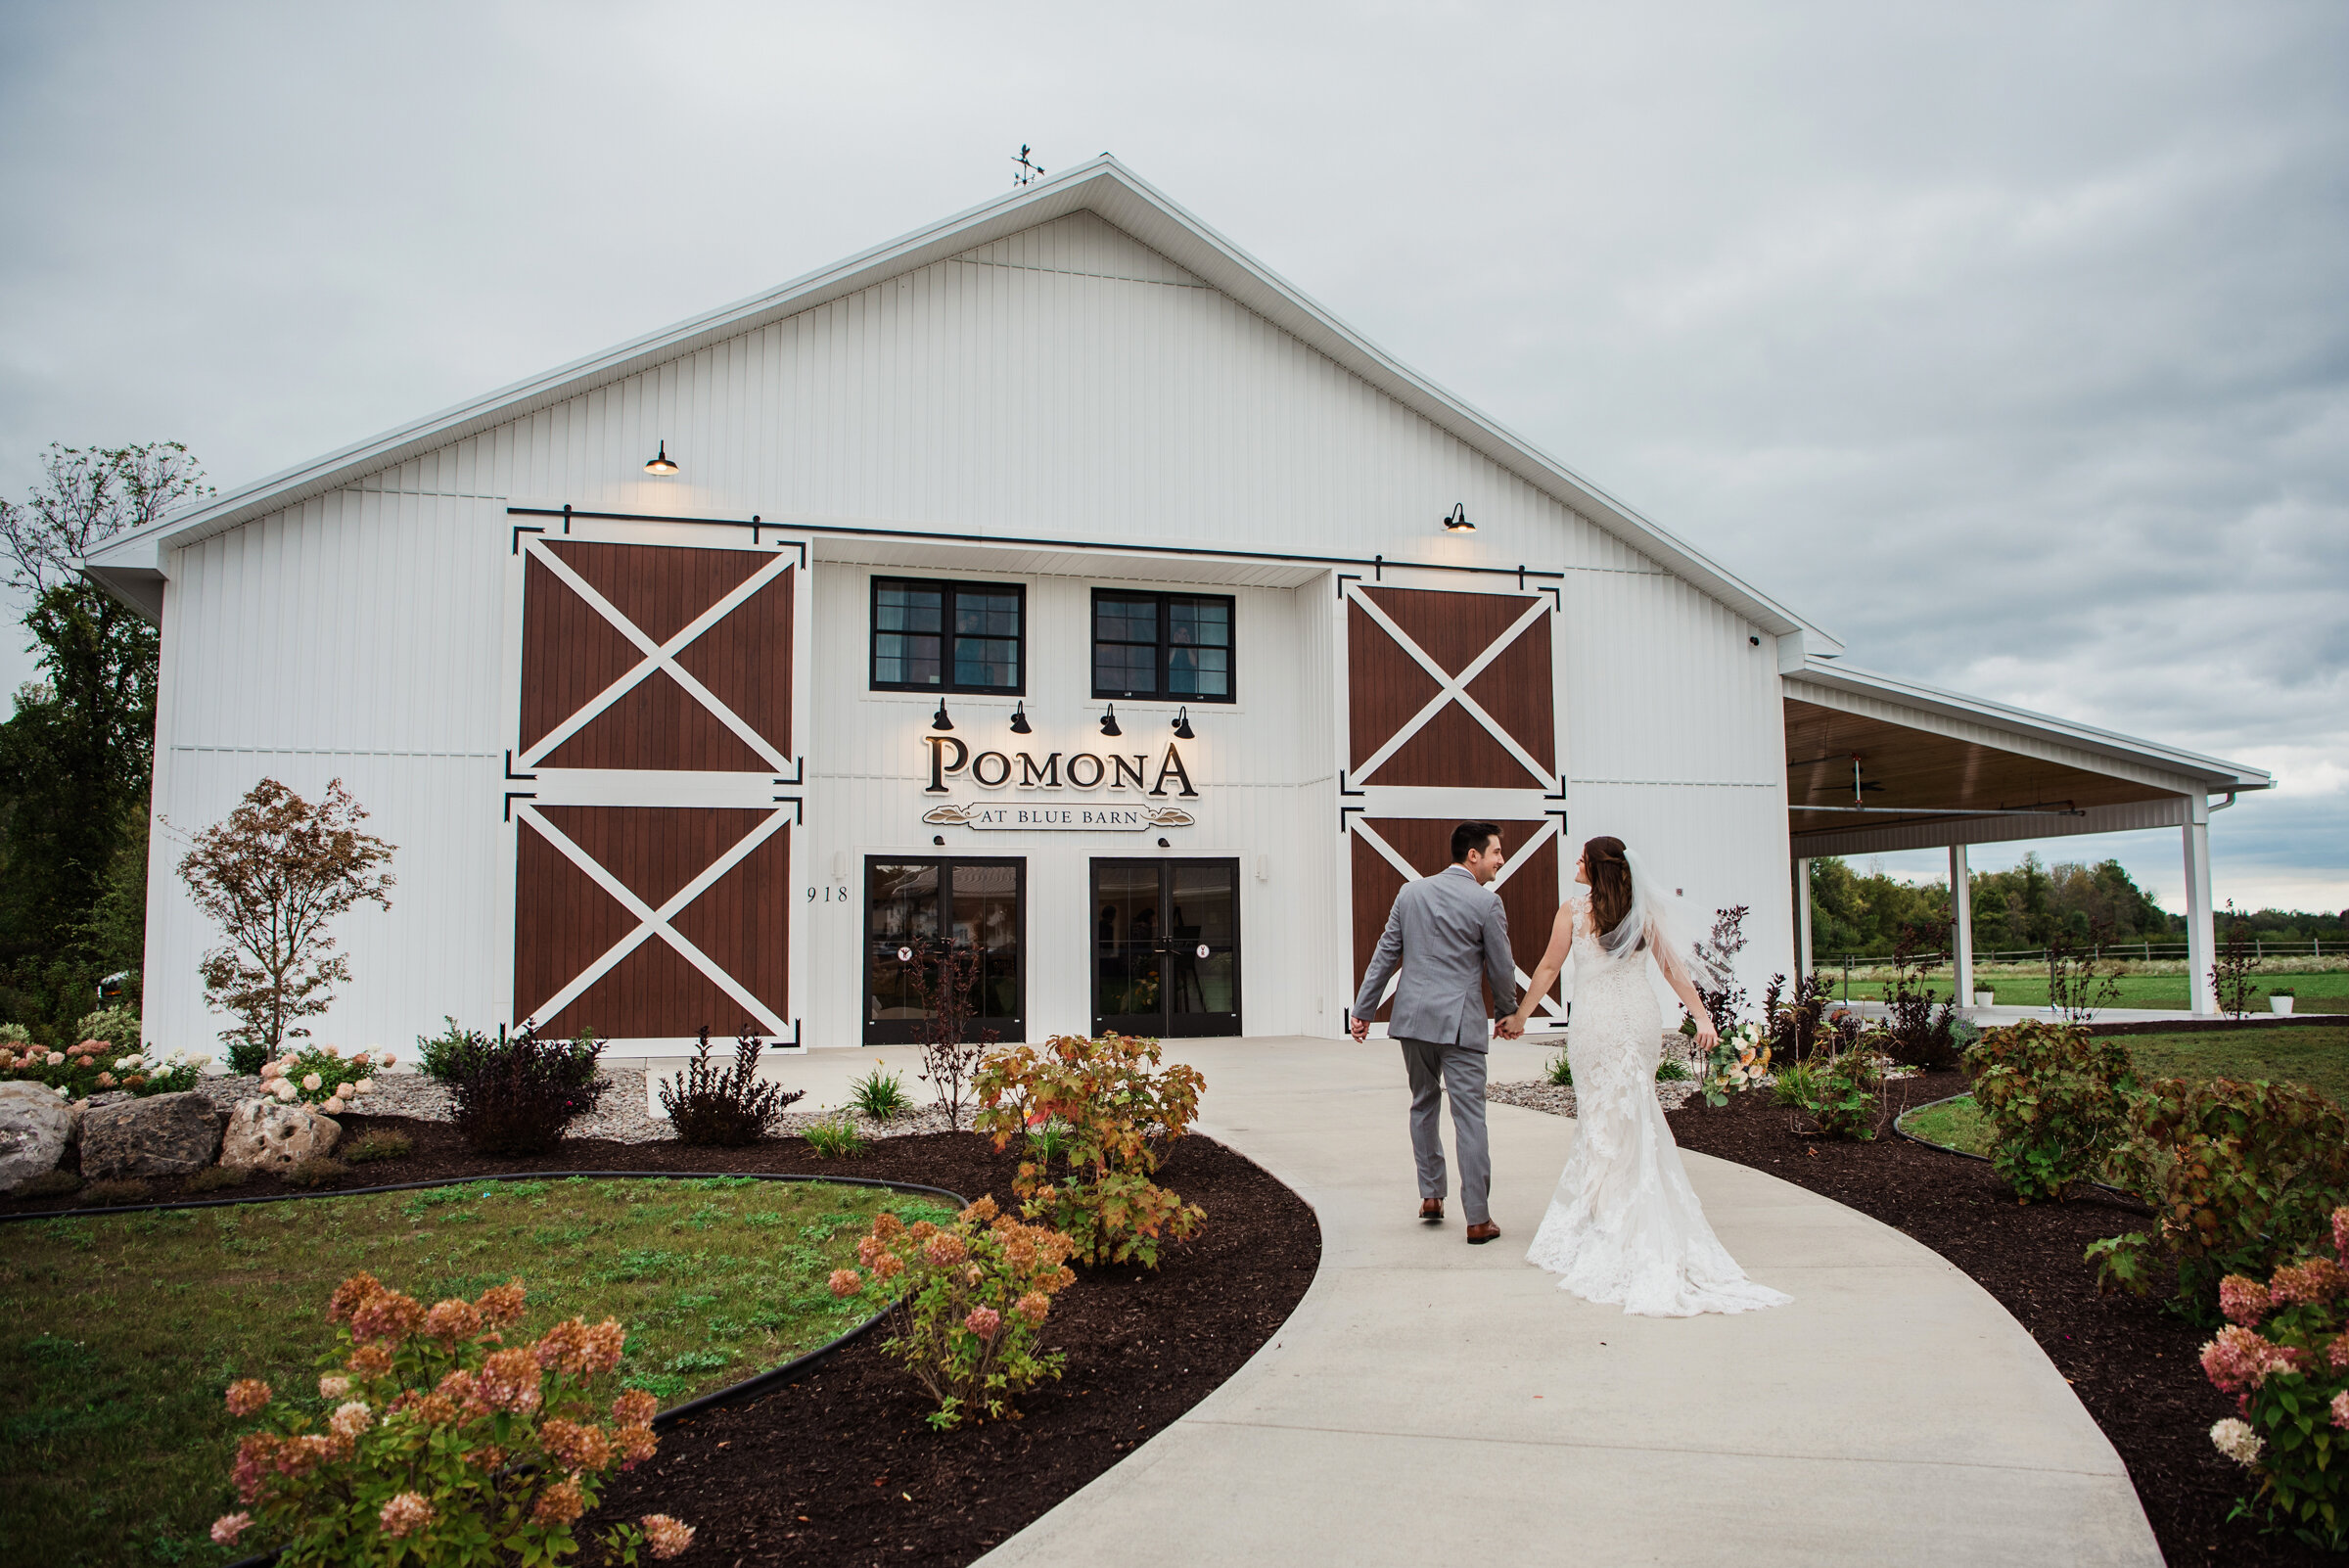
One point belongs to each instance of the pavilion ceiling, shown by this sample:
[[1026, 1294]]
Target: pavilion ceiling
[[1934, 774]]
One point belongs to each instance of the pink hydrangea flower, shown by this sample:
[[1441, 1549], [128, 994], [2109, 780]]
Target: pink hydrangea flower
[[229, 1526], [333, 1385], [247, 1396], [350, 1420], [2340, 1235], [2243, 1301], [2340, 1408], [2239, 1360], [984, 1321], [846, 1281], [665, 1537], [509, 1380], [405, 1514]]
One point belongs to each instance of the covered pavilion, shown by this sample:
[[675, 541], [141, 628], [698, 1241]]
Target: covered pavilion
[[1875, 764]]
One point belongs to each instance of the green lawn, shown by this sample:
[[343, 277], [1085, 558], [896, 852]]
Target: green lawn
[[2326, 992], [118, 1335], [2316, 1057]]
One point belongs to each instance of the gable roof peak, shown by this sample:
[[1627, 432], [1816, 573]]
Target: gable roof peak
[[1102, 186]]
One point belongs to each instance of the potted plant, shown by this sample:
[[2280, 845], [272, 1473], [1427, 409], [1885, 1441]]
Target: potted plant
[[2280, 998], [1984, 997]]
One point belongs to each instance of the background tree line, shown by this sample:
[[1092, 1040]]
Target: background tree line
[[78, 750], [1858, 912]]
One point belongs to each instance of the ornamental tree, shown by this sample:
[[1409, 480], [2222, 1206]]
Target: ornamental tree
[[271, 876]]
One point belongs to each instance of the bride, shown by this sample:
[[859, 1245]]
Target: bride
[[1624, 1226]]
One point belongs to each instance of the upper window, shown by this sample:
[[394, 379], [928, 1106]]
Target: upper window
[[949, 636], [1171, 645]]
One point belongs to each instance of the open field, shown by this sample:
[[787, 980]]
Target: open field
[[2325, 992], [118, 1335], [2316, 1057]]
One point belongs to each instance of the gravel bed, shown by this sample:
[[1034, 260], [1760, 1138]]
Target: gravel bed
[[622, 1116]]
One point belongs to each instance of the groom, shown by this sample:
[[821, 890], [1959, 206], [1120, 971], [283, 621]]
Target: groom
[[1444, 930]]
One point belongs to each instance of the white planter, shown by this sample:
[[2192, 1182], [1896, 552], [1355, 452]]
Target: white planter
[[1986, 998], [2280, 1004]]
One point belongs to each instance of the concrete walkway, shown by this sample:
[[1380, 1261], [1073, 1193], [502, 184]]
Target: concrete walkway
[[1432, 1403]]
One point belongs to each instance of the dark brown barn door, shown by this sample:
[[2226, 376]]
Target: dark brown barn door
[[653, 784], [1452, 713]]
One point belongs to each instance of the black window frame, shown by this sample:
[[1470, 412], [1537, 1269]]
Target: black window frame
[[1163, 600], [909, 1030], [946, 588]]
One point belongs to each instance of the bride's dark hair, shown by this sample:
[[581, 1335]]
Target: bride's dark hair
[[1610, 883]]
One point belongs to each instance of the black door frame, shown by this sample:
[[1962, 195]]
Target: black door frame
[[1205, 1026], [908, 1031]]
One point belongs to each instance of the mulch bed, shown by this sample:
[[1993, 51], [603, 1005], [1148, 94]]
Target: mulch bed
[[838, 1467], [2136, 1367]]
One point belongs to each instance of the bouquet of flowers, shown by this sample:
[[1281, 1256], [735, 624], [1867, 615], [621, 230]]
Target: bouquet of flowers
[[1739, 1062]]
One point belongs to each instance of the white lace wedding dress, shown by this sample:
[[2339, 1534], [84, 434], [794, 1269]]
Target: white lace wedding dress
[[1625, 1226]]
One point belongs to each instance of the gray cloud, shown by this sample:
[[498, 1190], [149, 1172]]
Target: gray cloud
[[2008, 340]]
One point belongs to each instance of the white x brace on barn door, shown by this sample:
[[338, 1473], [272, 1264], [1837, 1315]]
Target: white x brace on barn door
[[653, 787], [1449, 697]]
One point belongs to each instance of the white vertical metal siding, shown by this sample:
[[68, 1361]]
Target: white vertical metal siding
[[1064, 383]]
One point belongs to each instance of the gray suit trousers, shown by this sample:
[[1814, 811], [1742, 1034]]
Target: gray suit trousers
[[1459, 1071]]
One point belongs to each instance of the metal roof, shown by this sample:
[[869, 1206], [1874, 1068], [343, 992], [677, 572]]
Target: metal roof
[[1102, 186], [2216, 773]]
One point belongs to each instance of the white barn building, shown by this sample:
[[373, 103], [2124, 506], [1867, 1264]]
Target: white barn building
[[1056, 575]]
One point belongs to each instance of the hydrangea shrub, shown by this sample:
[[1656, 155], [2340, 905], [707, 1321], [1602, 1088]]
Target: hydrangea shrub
[[2057, 1099], [1105, 1110], [2285, 1354], [971, 1298], [446, 1445], [2240, 1179], [322, 1076], [97, 1067]]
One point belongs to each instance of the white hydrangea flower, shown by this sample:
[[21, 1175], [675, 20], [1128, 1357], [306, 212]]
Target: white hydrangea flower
[[2237, 1441]]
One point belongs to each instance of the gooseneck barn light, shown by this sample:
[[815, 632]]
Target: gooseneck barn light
[[939, 720], [661, 462], [1456, 521], [1109, 721], [1182, 724], [1018, 720]]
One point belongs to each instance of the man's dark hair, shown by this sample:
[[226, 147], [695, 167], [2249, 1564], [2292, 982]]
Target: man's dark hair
[[1469, 837]]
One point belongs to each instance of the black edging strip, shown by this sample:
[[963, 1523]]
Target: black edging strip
[[1899, 1132], [662, 1422]]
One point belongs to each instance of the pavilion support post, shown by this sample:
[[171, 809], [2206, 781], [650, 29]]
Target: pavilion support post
[[2200, 928], [1802, 919], [1962, 926]]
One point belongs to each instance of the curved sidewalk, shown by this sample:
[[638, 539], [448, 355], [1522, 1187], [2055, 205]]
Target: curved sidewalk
[[1436, 1403]]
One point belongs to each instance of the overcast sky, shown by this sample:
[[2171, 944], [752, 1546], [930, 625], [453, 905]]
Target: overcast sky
[[2011, 343]]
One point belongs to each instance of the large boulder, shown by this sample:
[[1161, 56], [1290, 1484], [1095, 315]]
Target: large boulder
[[34, 1128], [163, 1135], [266, 1135]]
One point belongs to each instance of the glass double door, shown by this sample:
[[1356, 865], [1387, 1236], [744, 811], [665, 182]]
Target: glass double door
[[1167, 946]]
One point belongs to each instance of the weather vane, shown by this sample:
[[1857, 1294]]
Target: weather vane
[[1029, 168]]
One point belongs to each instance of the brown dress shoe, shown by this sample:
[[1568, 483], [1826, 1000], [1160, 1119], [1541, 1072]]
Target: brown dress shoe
[[1431, 1209], [1478, 1235]]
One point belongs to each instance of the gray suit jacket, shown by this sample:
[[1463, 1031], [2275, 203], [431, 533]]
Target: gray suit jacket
[[1444, 931]]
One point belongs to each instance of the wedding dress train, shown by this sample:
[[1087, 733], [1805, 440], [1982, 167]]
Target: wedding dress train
[[1625, 1226]]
